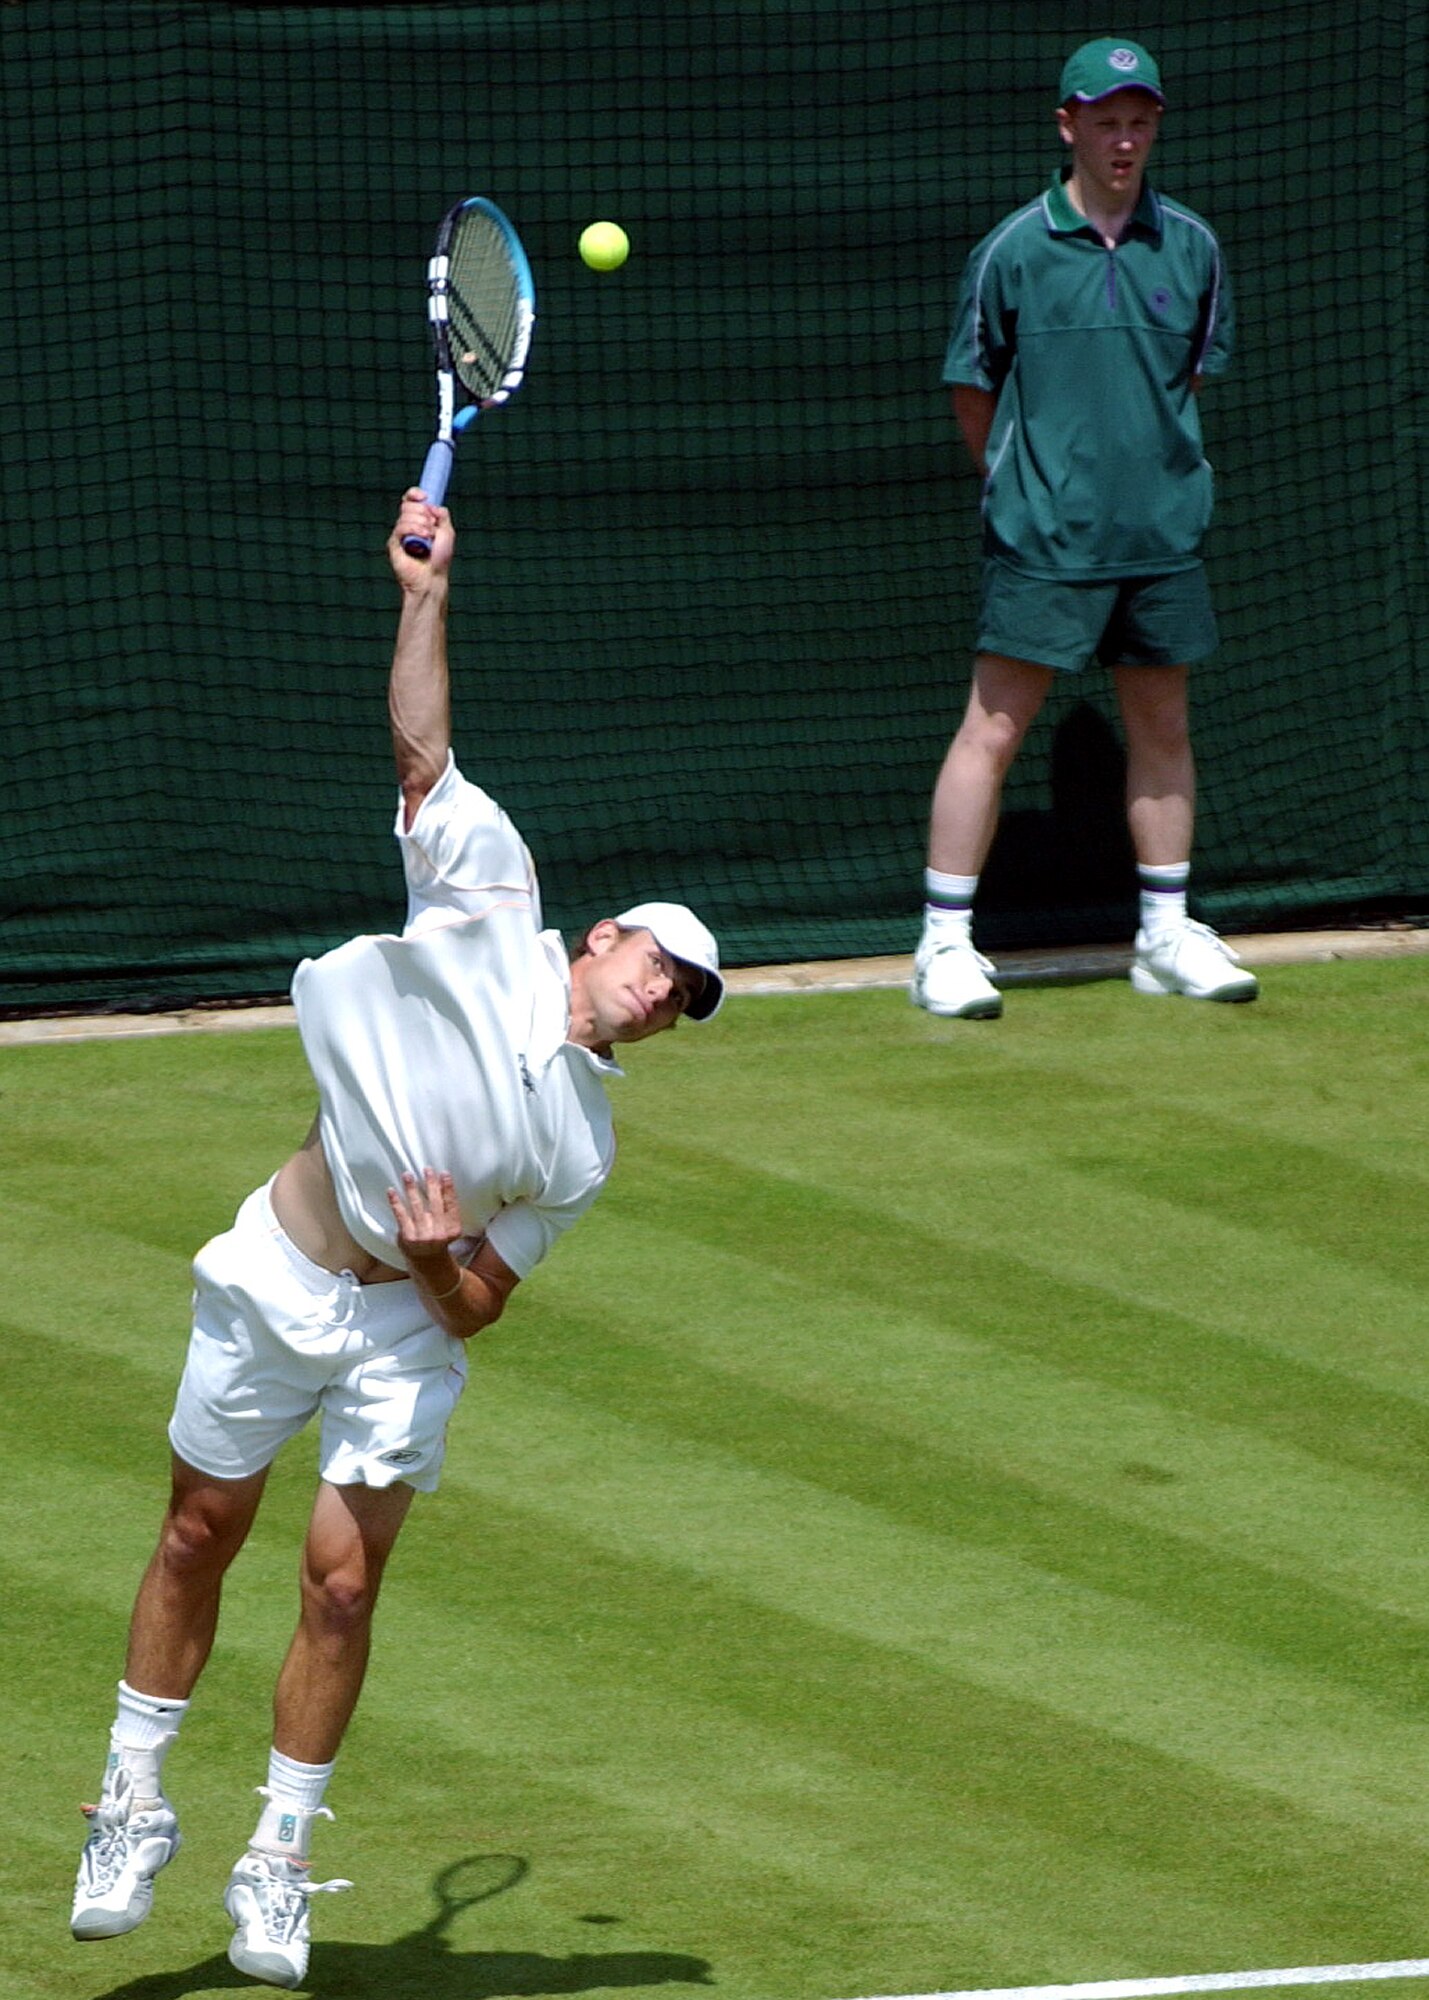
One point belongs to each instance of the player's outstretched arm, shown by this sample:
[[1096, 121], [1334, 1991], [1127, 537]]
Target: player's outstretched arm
[[418, 692]]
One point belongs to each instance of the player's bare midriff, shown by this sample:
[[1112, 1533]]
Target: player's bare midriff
[[305, 1203]]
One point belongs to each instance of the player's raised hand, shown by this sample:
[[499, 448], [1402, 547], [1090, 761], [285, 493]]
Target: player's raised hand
[[418, 518]]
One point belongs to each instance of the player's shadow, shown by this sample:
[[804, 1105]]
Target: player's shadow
[[424, 1965]]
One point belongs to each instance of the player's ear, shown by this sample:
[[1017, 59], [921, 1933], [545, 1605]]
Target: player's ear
[[600, 937]]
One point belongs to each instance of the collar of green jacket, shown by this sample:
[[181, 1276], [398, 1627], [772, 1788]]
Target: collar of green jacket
[[1065, 220]]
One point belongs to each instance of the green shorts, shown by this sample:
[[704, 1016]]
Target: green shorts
[[1129, 621]]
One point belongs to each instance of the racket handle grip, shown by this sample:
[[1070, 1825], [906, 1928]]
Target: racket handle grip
[[436, 471]]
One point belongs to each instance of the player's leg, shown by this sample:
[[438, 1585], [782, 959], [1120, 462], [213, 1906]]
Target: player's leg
[[176, 1609], [1003, 702], [384, 1422], [350, 1537], [1160, 766], [133, 1830], [1159, 625], [351, 1534], [244, 1391], [1029, 628], [950, 976]]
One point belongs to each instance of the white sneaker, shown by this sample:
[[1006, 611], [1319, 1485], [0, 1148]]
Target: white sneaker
[[950, 977], [126, 1848], [267, 1898], [1192, 960]]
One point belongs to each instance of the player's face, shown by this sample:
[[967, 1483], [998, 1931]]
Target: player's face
[[626, 987], [1110, 142]]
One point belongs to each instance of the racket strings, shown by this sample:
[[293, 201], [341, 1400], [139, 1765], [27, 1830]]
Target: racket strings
[[484, 308]]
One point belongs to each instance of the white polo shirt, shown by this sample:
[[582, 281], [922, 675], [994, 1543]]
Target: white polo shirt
[[446, 1047]]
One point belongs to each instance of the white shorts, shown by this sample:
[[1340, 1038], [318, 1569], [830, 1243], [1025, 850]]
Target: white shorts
[[276, 1339]]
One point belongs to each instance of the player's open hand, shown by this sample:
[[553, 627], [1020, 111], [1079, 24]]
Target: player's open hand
[[433, 524], [426, 1214]]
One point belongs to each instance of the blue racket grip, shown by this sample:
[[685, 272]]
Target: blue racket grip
[[436, 471]]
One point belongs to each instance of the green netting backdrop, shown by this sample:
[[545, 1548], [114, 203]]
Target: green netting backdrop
[[718, 559]]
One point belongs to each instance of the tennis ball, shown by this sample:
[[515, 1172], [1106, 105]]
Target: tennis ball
[[604, 246]]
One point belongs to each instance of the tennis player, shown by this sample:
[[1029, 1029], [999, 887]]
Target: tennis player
[[1087, 322], [461, 1068]]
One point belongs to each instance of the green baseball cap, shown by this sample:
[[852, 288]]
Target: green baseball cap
[[1099, 68]]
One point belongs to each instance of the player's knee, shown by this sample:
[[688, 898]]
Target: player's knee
[[339, 1602], [197, 1542], [990, 740]]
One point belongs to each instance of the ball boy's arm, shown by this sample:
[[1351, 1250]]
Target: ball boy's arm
[[974, 409], [418, 691]]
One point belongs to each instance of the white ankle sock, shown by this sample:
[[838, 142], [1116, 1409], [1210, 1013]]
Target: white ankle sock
[[144, 1727], [293, 1798], [948, 910], [1163, 897]]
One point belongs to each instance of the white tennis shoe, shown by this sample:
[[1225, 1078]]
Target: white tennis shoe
[[950, 977], [126, 1848], [1191, 960], [267, 1897]]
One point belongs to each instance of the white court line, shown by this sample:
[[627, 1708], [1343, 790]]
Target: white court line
[[1204, 1982]]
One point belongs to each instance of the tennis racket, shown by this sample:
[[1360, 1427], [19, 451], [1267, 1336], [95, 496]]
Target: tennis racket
[[481, 304]]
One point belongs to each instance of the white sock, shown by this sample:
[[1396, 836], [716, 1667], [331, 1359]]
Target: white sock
[[948, 910], [1163, 897], [293, 1798], [144, 1727]]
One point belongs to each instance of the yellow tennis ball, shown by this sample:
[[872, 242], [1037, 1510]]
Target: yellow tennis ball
[[604, 246]]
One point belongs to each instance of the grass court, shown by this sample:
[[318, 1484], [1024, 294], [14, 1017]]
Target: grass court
[[956, 1515]]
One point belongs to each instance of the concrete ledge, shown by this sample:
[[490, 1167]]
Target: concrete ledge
[[1068, 964], [831, 975]]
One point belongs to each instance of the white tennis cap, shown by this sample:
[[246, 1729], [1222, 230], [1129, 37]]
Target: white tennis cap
[[679, 931]]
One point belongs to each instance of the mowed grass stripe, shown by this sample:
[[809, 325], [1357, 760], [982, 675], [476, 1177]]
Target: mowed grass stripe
[[981, 1615], [1197, 1542], [910, 1209], [828, 1835], [154, 1140], [1075, 1368], [960, 1767], [1302, 1070], [123, 1302], [1335, 1061]]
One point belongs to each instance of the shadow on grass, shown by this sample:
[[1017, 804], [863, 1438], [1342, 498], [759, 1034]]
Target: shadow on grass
[[424, 1966]]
